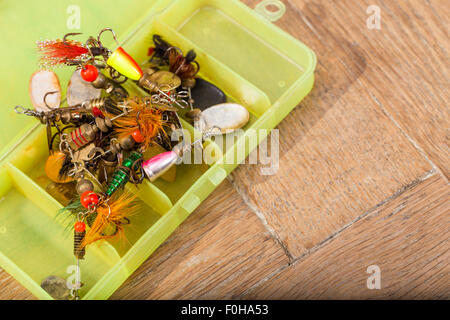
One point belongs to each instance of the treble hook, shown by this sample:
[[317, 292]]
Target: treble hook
[[45, 99], [69, 34], [107, 29]]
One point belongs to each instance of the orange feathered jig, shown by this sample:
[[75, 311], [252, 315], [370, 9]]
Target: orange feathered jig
[[112, 215], [143, 118]]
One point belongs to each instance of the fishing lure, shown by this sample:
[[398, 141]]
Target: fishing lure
[[62, 52], [54, 167], [124, 172], [73, 114], [74, 53], [142, 122], [158, 52], [105, 210], [158, 165], [97, 143], [110, 217], [120, 63], [184, 66]]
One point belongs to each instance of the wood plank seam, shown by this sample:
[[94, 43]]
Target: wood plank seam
[[397, 194], [411, 140], [379, 104], [410, 247], [261, 217]]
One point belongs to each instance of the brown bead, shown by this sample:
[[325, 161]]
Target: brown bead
[[189, 83], [127, 143], [103, 124], [100, 82], [194, 113], [65, 116], [84, 185]]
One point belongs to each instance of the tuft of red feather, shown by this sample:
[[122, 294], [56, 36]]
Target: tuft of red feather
[[57, 52]]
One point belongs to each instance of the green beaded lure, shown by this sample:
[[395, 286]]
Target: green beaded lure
[[122, 175]]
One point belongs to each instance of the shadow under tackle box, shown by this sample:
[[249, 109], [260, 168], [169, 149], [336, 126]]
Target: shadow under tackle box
[[255, 63]]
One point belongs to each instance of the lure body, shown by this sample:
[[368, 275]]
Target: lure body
[[159, 164], [82, 135], [120, 176], [78, 250], [121, 61]]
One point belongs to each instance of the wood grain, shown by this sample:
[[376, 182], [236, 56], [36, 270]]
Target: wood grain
[[340, 154], [354, 185], [220, 251], [407, 238], [407, 62], [10, 289]]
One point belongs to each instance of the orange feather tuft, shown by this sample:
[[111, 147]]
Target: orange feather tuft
[[147, 119], [120, 207]]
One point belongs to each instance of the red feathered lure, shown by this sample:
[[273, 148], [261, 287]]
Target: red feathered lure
[[61, 52]]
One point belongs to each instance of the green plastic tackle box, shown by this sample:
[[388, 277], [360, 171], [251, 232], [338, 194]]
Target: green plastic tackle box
[[243, 53]]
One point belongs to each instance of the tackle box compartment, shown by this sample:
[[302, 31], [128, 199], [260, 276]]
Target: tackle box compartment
[[255, 63]]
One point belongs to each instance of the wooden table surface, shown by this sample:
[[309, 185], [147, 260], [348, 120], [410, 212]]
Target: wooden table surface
[[363, 176]]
